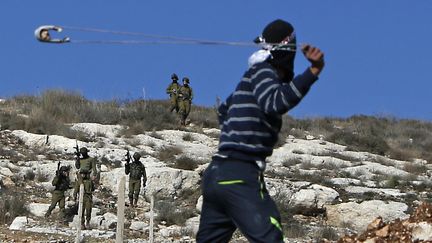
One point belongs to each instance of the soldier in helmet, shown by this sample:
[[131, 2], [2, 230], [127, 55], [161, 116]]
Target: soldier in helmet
[[185, 100], [136, 171], [86, 166], [62, 183], [172, 90]]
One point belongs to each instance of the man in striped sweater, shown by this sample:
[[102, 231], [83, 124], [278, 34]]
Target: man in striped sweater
[[250, 119]]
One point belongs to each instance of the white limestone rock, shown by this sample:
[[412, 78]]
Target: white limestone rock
[[421, 231], [6, 171], [360, 215], [315, 196], [20, 223], [382, 191], [192, 224], [38, 209], [138, 225], [199, 204]]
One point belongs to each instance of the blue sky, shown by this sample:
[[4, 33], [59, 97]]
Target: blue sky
[[378, 53]]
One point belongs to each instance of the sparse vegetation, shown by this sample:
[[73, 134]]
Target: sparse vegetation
[[187, 137], [168, 153], [29, 175], [328, 233], [401, 139], [291, 162], [337, 155], [186, 163], [416, 169], [156, 135], [11, 206], [172, 213], [297, 151], [41, 176]]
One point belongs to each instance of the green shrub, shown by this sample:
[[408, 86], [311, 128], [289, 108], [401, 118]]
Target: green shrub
[[186, 163], [187, 137], [172, 213], [370, 143]]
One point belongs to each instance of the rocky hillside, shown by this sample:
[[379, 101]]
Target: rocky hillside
[[323, 190]]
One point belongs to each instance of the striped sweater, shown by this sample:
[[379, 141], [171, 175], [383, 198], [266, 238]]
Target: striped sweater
[[251, 117]]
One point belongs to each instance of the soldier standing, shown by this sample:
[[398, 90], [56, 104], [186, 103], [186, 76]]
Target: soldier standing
[[86, 166], [185, 100], [87, 199], [135, 170], [172, 90], [62, 183]]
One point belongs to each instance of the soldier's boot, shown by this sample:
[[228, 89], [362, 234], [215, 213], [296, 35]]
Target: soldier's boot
[[88, 224], [131, 202]]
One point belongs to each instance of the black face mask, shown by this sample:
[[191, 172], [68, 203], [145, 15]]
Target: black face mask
[[284, 60]]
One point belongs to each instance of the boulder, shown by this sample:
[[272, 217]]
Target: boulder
[[192, 225], [359, 215], [110, 221], [20, 223], [422, 231], [313, 197], [6, 182], [38, 209], [138, 225], [6, 171], [170, 231]]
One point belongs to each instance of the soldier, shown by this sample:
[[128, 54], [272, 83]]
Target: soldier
[[136, 170], [172, 90], [62, 183], [85, 165], [185, 100], [87, 198]]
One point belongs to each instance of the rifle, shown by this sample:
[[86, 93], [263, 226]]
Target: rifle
[[128, 157], [58, 168], [77, 153]]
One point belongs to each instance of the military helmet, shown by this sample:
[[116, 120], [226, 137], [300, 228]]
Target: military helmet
[[84, 150], [186, 80], [65, 168], [174, 77], [136, 156]]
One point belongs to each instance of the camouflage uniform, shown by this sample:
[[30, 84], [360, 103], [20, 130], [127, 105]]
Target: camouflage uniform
[[87, 199], [62, 183], [185, 100], [86, 166], [172, 90], [135, 170]]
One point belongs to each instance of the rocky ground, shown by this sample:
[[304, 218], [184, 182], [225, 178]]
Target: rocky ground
[[323, 190]]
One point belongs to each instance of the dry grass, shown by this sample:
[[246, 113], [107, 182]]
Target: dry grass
[[173, 213], [186, 163], [12, 204], [48, 113], [291, 162], [187, 137], [168, 153], [416, 169]]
